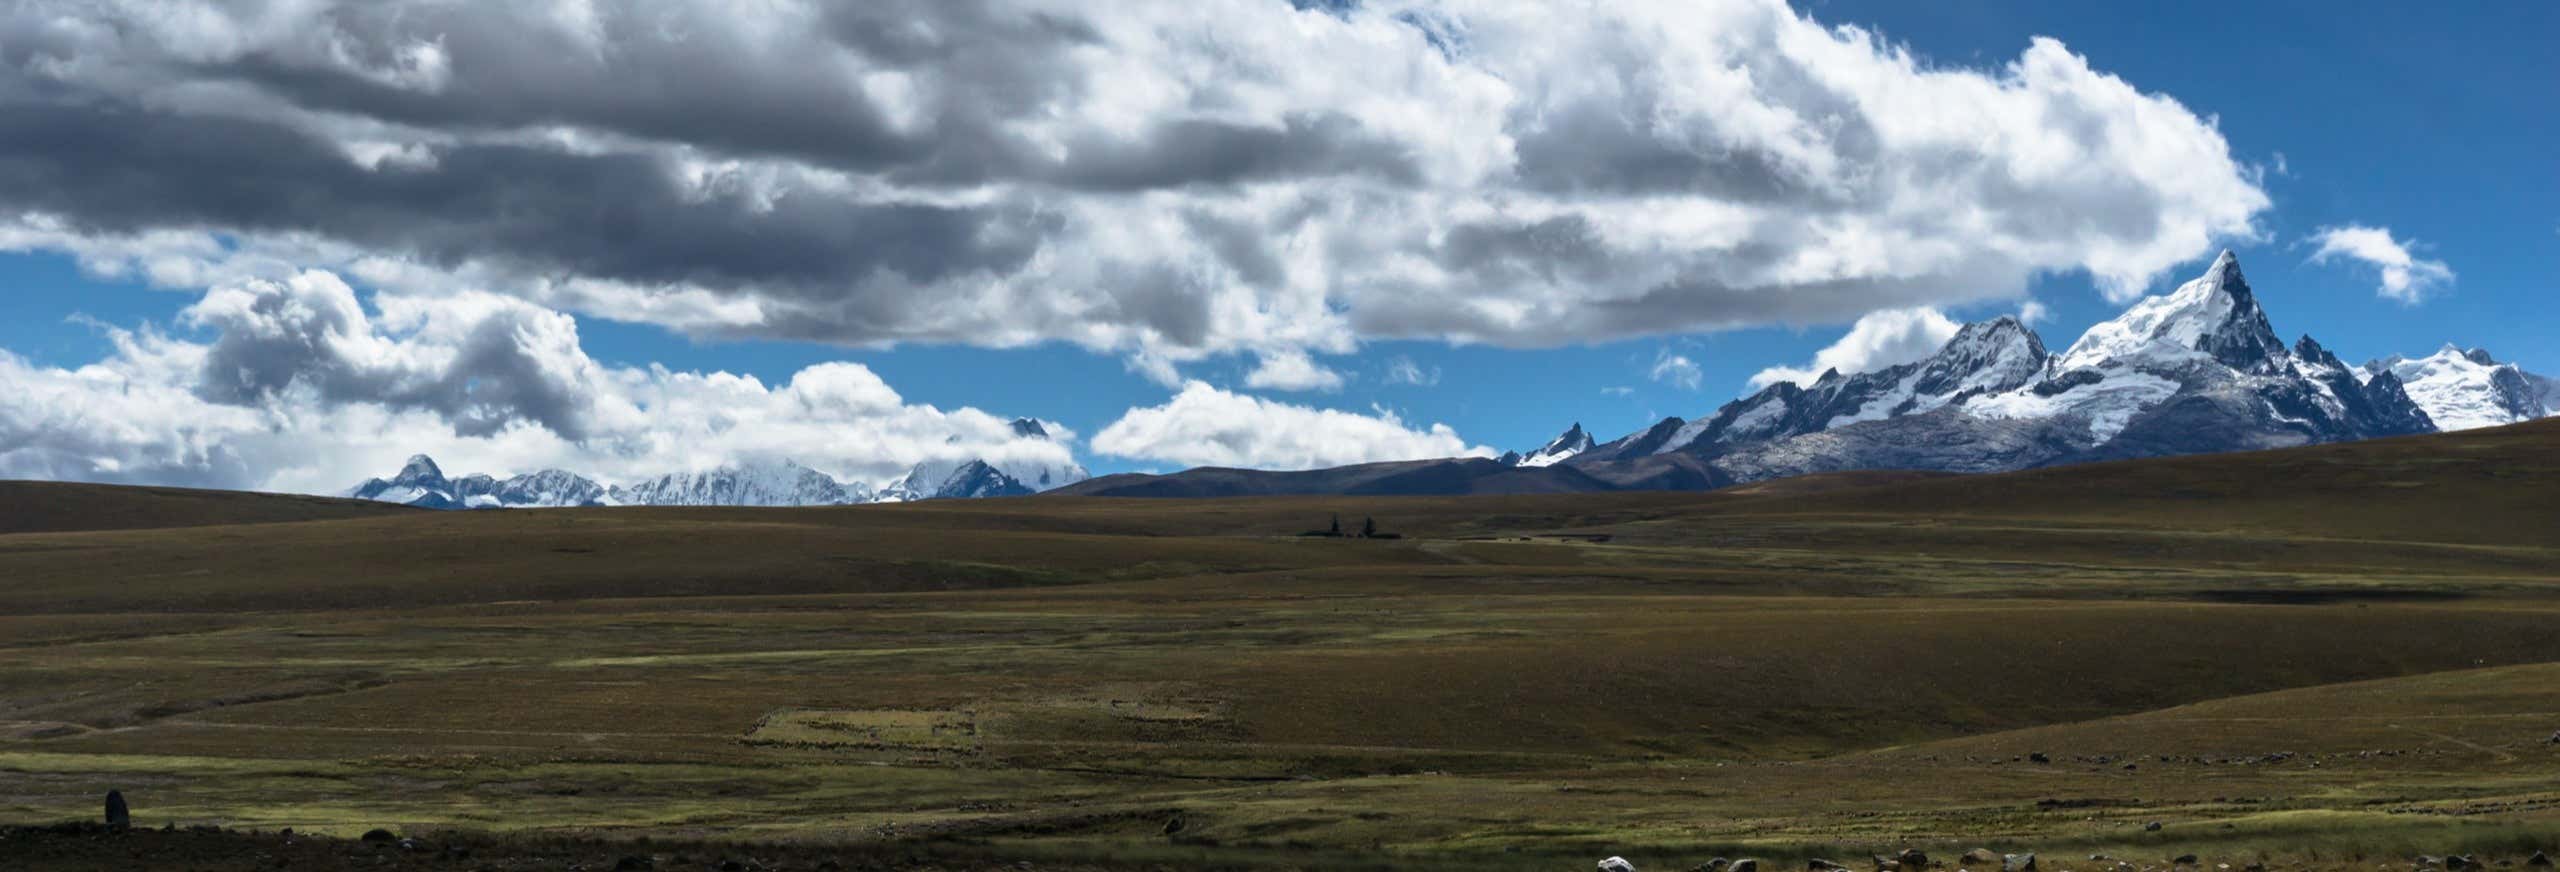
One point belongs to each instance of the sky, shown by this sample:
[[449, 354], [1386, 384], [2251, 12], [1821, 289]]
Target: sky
[[284, 245]]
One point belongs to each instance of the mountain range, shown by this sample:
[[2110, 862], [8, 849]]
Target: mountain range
[[2199, 369], [421, 483]]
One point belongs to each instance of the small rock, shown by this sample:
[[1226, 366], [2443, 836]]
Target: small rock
[[1717, 865], [2151, 827], [1818, 864], [2459, 861], [118, 816], [2018, 862], [1980, 855], [2093, 858], [1617, 864], [2038, 757], [379, 835], [2538, 860], [2183, 860], [1744, 865], [1911, 858]]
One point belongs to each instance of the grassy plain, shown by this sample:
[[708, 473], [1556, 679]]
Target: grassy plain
[[2317, 654]]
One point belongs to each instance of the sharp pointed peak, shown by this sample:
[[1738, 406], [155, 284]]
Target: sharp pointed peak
[[2224, 275]]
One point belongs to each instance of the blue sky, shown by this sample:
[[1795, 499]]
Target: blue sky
[[2432, 122]]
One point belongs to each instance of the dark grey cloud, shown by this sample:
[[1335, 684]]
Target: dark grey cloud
[[511, 363], [617, 216]]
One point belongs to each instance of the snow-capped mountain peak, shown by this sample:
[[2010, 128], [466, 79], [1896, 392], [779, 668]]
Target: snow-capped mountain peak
[[421, 483], [768, 483], [1573, 441], [976, 479], [2462, 389], [2214, 316], [420, 470], [1998, 354]]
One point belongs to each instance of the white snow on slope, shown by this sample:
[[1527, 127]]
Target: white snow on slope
[[2109, 403], [2162, 330], [2463, 393]]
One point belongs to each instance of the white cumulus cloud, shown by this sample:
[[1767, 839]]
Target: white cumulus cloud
[[1205, 426], [298, 385], [1162, 180], [1883, 338], [2405, 276], [1292, 370]]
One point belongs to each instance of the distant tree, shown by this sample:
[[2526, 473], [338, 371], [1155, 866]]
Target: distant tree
[[1368, 527], [1336, 529]]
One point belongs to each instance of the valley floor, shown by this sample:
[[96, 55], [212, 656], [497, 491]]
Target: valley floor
[[1802, 671]]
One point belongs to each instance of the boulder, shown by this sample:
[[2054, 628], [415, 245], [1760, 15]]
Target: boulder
[[2183, 860], [118, 816], [2538, 859], [1981, 856], [1744, 865], [2018, 862], [1617, 864], [1912, 858]]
